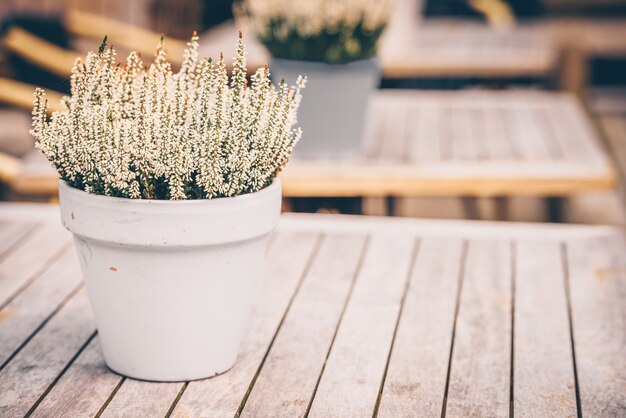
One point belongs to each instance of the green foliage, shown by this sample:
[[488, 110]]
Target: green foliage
[[330, 31], [332, 47]]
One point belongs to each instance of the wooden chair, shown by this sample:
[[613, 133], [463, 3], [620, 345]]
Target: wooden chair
[[9, 167], [59, 61], [15, 93]]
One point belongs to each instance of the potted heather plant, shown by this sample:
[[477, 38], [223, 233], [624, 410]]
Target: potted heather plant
[[334, 44], [168, 183]]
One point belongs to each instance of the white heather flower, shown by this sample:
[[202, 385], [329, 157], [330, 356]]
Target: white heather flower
[[136, 132], [317, 30]]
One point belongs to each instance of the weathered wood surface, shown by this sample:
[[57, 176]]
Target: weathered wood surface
[[463, 48], [480, 364], [469, 143], [88, 381], [357, 317], [596, 276], [352, 374], [542, 347], [31, 258], [308, 331], [11, 234], [22, 316], [416, 377]]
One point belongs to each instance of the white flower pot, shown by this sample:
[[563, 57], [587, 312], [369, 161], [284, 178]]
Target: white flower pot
[[333, 112], [171, 283]]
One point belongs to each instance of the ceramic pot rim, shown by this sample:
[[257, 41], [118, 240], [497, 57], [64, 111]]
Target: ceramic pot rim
[[167, 223], [276, 182]]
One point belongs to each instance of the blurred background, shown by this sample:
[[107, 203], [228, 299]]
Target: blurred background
[[575, 47]]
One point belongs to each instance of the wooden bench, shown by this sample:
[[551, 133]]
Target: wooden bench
[[469, 143], [356, 317]]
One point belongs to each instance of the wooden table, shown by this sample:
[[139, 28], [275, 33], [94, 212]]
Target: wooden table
[[442, 48], [356, 316], [466, 143], [413, 47], [459, 143], [582, 40], [436, 48], [466, 49]]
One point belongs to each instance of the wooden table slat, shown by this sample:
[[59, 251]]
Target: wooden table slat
[[530, 139], [11, 234], [27, 312], [543, 371], [285, 387], [37, 365], [393, 127], [538, 117], [375, 132], [418, 364], [481, 356], [495, 135], [83, 389], [42, 246], [597, 290], [574, 132], [136, 398], [463, 143], [355, 367], [425, 141]]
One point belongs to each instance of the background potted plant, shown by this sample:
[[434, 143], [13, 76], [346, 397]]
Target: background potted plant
[[168, 183], [334, 44]]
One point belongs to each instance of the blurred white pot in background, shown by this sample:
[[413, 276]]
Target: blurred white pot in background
[[334, 111]]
